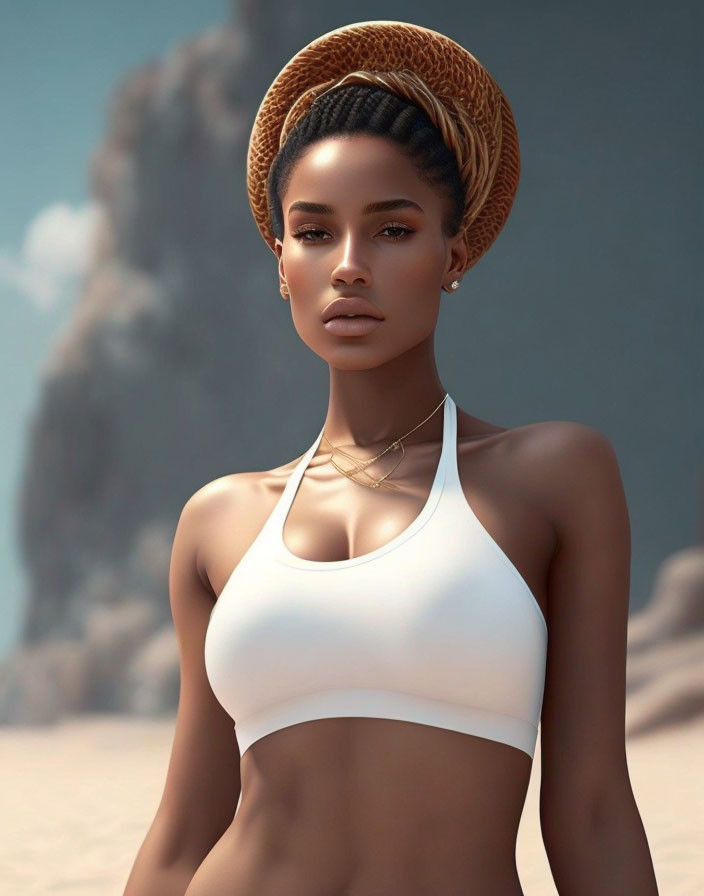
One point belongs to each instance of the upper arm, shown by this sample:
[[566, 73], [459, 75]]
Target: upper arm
[[583, 755], [203, 778]]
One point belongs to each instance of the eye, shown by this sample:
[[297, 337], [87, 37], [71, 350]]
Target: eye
[[302, 233], [402, 231]]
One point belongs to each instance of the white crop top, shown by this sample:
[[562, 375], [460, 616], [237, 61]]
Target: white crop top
[[436, 627]]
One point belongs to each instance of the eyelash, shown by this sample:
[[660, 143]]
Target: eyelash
[[299, 234]]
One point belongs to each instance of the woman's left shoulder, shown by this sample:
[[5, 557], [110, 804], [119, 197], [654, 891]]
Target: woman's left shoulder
[[564, 445], [568, 467]]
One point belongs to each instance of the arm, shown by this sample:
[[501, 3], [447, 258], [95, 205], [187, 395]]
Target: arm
[[203, 778], [591, 827], [151, 874]]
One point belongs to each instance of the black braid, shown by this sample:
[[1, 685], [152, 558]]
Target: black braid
[[368, 109]]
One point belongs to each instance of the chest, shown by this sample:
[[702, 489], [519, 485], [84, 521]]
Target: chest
[[332, 519]]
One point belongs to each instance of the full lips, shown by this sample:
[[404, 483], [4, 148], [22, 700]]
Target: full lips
[[352, 326]]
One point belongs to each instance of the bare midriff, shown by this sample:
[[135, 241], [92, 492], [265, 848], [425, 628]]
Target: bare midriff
[[365, 807]]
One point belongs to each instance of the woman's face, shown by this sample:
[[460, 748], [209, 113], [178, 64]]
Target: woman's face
[[397, 259]]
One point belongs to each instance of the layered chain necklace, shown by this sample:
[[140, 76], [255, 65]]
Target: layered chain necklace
[[360, 466]]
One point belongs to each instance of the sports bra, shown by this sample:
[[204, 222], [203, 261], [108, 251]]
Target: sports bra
[[436, 627]]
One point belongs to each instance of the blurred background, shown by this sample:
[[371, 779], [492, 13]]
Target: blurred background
[[145, 349]]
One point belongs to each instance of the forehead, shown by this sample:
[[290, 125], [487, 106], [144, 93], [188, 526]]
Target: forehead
[[342, 170]]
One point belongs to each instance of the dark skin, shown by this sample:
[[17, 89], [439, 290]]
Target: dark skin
[[363, 806]]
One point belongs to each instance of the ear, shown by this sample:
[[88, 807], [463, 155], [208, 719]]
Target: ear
[[457, 255], [278, 249]]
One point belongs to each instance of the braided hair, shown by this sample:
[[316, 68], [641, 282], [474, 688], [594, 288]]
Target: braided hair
[[366, 109]]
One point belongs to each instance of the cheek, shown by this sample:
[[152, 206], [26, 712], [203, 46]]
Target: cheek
[[303, 274], [414, 281], [418, 264]]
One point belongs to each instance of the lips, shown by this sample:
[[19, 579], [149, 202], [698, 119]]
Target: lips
[[351, 305]]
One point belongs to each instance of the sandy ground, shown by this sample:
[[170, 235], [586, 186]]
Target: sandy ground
[[78, 799]]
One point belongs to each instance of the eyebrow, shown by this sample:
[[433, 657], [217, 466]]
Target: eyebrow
[[386, 205]]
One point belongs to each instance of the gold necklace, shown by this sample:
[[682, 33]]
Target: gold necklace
[[360, 466]]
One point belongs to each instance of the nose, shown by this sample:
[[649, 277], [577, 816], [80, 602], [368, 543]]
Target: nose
[[351, 267]]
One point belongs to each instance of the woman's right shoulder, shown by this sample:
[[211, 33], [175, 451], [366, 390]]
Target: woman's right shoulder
[[218, 500], [218, 520], [219, 495], [212, 495]]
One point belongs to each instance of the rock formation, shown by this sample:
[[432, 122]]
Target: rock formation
[[147, 394]]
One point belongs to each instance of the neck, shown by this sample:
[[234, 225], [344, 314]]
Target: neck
[[373, 407]]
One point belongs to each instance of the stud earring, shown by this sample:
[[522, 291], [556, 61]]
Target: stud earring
[[454, 284], [283, 289]]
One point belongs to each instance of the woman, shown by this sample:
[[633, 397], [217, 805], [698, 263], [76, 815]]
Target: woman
[[388, 617]]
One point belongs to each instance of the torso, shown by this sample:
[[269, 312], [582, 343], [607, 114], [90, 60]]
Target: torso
[[360, 806]]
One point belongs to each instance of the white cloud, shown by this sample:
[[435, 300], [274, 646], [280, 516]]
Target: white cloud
[[54, 252]]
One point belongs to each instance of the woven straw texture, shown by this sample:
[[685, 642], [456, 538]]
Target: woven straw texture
[[477, 122]]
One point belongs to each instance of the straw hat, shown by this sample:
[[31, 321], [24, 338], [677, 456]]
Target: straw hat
[[461, 98]]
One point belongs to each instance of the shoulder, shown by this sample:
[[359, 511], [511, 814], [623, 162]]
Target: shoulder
[[218, 495], [577, 462], [221, 513], [557, 445], [215, 505], [569, 462], [564, 442], [212, 497]]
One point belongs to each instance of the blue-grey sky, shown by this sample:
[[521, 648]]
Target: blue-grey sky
[[59, 64]]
